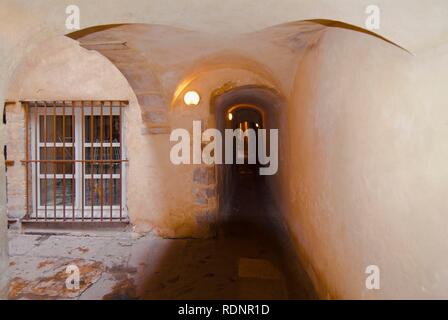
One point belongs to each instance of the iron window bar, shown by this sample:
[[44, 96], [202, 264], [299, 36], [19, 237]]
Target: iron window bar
[[87, 167]]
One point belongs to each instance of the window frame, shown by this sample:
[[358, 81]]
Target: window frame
[[81, 211]]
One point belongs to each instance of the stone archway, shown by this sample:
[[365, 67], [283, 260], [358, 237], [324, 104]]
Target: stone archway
[[266, 101], [138, 72]]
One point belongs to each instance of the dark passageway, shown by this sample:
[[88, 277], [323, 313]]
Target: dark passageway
[[247, 258], [244, 261]]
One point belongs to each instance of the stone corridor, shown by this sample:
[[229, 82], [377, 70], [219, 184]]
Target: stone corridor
[[125, 117]]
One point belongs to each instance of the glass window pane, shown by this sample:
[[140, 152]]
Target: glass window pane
[[105, 192], [56, 153], [95, 134], [47, 193], [104, 154], [48, 134]]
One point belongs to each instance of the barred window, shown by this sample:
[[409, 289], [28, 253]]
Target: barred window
[[75, 160]]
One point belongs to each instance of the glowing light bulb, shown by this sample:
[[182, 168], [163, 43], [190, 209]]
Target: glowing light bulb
[[192, 98], [230, 116]]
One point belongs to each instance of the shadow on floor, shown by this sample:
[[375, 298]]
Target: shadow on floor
[[247, 259]]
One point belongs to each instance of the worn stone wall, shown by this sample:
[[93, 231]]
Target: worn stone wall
[[4, 261], [16, 149]]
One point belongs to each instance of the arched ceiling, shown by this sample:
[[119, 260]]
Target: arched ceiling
[[413, 24], [158, 60]]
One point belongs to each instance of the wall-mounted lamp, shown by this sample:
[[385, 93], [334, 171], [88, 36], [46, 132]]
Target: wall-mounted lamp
[[192, 98], [257, 125], [230, 116]]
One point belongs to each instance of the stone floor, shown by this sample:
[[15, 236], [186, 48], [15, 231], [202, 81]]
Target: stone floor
[[242, 262], [125, 265]]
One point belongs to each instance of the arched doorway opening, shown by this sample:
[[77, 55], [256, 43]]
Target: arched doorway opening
[[249, 120], [248, 220], [250, 109]]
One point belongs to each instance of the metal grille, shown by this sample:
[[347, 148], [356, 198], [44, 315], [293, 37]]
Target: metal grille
[[74, 161]]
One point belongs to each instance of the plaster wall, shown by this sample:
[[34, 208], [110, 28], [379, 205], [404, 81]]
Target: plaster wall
[[160, 197], [365, 179]]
